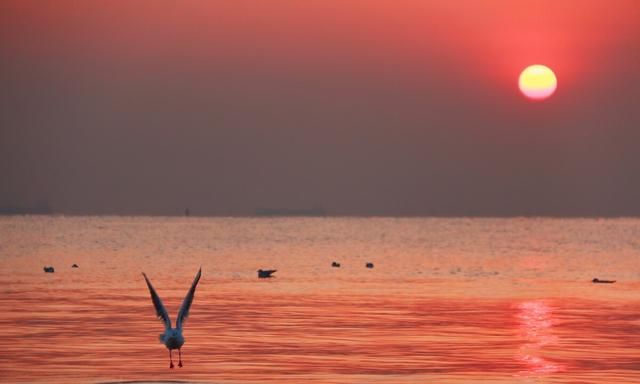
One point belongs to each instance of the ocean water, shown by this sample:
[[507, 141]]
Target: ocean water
[[449, 300]]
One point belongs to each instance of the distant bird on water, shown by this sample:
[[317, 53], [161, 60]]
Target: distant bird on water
[[335, 264], [265, 273], [74, 266], [369, 265], [49, 270], [172, 337], [598, 281]]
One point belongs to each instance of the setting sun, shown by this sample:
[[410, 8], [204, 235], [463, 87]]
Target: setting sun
[[537, 82]]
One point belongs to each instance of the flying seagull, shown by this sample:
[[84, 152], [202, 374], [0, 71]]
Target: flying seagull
[[172, 337]]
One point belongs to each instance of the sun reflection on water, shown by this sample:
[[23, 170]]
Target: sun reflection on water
[[535, 324]]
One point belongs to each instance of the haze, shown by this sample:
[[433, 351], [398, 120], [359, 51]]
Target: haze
[[362, 108]]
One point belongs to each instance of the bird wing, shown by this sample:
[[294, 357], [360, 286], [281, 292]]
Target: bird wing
[[161, 311], [186, 304]]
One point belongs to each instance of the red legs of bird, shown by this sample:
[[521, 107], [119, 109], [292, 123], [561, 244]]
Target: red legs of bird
[[170, 360], [180, 358]]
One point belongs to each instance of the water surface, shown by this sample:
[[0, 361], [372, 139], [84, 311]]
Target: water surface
[[449, 300]]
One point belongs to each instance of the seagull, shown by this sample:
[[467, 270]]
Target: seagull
[[596, 281], [265, 274], [172, 337]]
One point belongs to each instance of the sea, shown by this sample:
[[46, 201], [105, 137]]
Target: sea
[[448, 300]]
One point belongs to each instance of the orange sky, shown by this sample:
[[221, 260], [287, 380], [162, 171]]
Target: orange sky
[[492, 35]]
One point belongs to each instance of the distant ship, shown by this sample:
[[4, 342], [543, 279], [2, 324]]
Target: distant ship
[[290, 212]]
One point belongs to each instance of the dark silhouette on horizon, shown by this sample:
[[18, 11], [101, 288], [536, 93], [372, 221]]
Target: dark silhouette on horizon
[[290, 212], [41, 207]]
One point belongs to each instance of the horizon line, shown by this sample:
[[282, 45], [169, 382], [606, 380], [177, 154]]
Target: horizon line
[[327, 216]]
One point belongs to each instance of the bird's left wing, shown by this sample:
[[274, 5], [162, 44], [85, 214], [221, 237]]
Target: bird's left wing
[[161, 311], [186, 304]]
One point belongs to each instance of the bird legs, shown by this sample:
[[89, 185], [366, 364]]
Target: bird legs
[[179, 359]]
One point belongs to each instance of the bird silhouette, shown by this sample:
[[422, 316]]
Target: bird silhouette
[[596, 281], [172, 337], [265, 274]]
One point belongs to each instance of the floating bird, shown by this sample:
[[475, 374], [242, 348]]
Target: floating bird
[[335, 264], [49, 269], [598, 281], [74, 266], [172, 337], [369, 265], [264, 274]]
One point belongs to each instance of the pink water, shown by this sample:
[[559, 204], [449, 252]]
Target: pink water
[[449, 300]]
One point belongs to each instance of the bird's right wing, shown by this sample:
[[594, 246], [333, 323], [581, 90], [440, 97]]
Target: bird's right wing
[[161, 311]]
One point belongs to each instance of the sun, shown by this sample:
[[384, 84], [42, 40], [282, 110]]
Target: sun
[[537, 82]]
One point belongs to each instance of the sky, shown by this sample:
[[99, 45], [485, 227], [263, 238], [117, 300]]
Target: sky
[[380, 107]]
